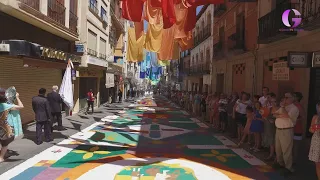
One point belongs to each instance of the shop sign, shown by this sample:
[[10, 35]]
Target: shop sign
[[59, 55], [79, 48], [280, 71], [90, 73], [206, 79], [316, 59], [299, 59], [109, 80], [97, 61]]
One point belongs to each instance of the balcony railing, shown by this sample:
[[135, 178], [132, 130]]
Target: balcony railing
[[73, 22], [35, 4], [102, 56], [271, 24], [92, 52], [236, 43], [93, 7], [219, 9], [203, 35], [310, 12], [57, 11]]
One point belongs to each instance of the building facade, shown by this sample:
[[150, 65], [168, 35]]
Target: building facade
[[100, 30], [37, 40], [298, 49], [198, 78], [234, 46]]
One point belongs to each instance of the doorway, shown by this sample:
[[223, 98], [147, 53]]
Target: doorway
[[220, 83]]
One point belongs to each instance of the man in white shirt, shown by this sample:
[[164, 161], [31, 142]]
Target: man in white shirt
[[264, 98], [286, 118]]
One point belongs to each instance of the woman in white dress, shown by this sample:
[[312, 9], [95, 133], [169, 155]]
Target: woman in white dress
[[314, 154]]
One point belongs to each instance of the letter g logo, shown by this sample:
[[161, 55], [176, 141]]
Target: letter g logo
[[285, 18]]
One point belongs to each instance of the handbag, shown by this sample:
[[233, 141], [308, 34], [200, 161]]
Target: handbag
[[6, 131]]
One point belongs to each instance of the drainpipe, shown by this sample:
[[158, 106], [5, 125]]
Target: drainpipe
[[255, 54]]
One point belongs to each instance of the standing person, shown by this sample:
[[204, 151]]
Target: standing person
[[6, 131], [298, 128], [314, 153], [269, 127], [257, 127], [215, 108], [55, 102], [223, 115], [286, 118], [231, 122], [41, 108], [203, 107], [90, 101], [120, 95], [239, 112], [264, 98], [246, 131]]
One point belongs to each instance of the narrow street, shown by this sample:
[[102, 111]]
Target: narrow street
[[151, 140]]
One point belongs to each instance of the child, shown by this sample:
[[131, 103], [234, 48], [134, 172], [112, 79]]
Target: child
[[257, 127], [246, 130], [223, 116]]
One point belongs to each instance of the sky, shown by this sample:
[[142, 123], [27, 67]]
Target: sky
[[145, 24]]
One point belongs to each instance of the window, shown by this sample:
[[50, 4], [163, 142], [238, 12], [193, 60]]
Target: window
[[93, 6], [103, 48], [92, 43], [104, 15]]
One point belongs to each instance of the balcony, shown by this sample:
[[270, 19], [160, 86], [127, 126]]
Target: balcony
[[102, 56], [218, 51], [203, 35], [35, 4], [219, 9], [92, 52], [236, 44], [116, 16], [271, 23], [310, 12], [73, 22], [57, 11]]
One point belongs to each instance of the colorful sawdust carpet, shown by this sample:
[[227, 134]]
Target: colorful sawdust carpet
[[146, 145]]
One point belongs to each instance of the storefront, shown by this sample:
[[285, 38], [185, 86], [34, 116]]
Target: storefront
[[117, 71], [29, 67], [89, 78], [300, 77]]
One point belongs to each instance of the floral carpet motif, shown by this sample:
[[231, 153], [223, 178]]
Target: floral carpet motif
[[165, 143]]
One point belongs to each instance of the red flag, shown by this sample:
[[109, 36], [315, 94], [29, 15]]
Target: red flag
[[168, 13], [191, 19], [155, 3], [132, 10], [204, 2]]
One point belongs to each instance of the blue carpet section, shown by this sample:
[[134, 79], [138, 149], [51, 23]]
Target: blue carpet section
[[29, 173]]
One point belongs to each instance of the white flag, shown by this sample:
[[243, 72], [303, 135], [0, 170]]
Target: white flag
[[66, 91]]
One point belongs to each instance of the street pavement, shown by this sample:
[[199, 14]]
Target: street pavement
[[152, 139]]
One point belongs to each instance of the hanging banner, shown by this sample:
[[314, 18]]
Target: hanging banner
[[109, 80], [280, 71]]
